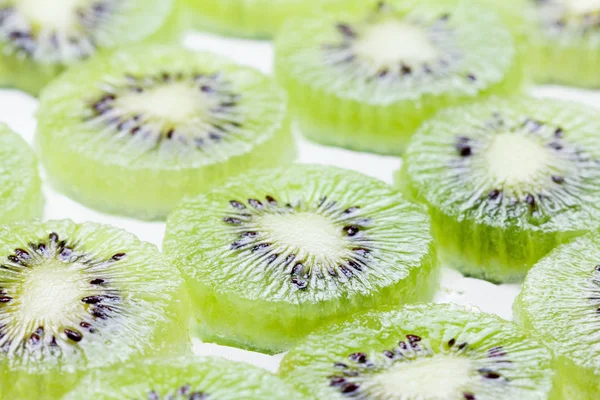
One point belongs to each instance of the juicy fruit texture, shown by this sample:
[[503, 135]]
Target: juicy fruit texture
[[271, 256], [20, 185], [135, 131], [205, 378], [80, 297], [441, 352], [352, 85], [39, 38], [560, 304], [506, 181], [565, 42]]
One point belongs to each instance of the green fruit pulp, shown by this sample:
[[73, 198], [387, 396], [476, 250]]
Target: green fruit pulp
[[421, 352], [271, 256], [174, 137], [20, 185], [508, 200], [83, 297], [560, 304]]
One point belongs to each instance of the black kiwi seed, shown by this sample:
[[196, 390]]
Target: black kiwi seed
[[469, 396], [558, 179], [73, 335], [360, 358], [464, 149]]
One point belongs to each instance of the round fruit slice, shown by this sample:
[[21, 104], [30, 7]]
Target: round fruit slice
[[80, 297], [560, 304], [506, 181], [187, 378], [135, 131], [441, 352], [367, 79], [20, 185], [565, 41], [270, 256], [39, 38]]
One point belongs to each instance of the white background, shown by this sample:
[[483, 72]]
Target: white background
[[18, 109]]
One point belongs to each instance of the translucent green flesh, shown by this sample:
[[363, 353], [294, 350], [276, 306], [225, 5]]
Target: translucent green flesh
[[559, 303], [147, 314], [499, 240], [20, 186], [428, 337], [244, 298], [337, 104], [131, 174]]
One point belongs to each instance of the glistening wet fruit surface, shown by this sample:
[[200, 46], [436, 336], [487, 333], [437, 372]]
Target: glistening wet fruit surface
[[506, 181], [560, 304], [190, 378], [565, 41], [352, 85], [135, 131], [441, 352], [20, 185], [271, 256], [39, 38], [79, 297]]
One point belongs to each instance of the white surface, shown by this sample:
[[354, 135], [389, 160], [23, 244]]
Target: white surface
[[17, 110]]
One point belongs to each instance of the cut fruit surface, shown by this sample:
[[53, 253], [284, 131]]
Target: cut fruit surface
[[270, 256], [560, 304], [79, 297], [367, 77], [39, 38], [506, 181], [429, 352], [135, 131], [189, 378], [20, 185]]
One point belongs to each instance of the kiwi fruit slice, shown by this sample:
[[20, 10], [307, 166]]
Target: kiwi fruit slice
[[560, 304], [424, 352], [39, 38], [565, 42], [80, 297], [189, 378], [506, 181], [366, 78], [272, 255], [20, 185], [135, 131]]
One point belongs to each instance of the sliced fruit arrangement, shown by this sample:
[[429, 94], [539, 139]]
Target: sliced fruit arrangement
[[366, 79], [421, 352], [202, 378], [79, 297], [565, 42], [270, 256], [560, 304], [506, 181], [39, 38], [135, 131], [20, 185]]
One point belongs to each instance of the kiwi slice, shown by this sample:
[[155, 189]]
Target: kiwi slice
[[565, 42], [272, 255], [190, 378], [74, 298], [365, 79], [39, 38], [425, 352], [560, 304], [506, 181], [20, 185], [135, 131]]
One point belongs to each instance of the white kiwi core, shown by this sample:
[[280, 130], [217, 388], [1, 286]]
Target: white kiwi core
[[514, 159], [58, 15], [415, 379], [392, 42], [579, 7]]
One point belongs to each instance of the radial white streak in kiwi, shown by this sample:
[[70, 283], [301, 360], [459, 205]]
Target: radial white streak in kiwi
[[392, 42], [438, 377], [516, 160], [59, 15], [579, 7], [310, 233]]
